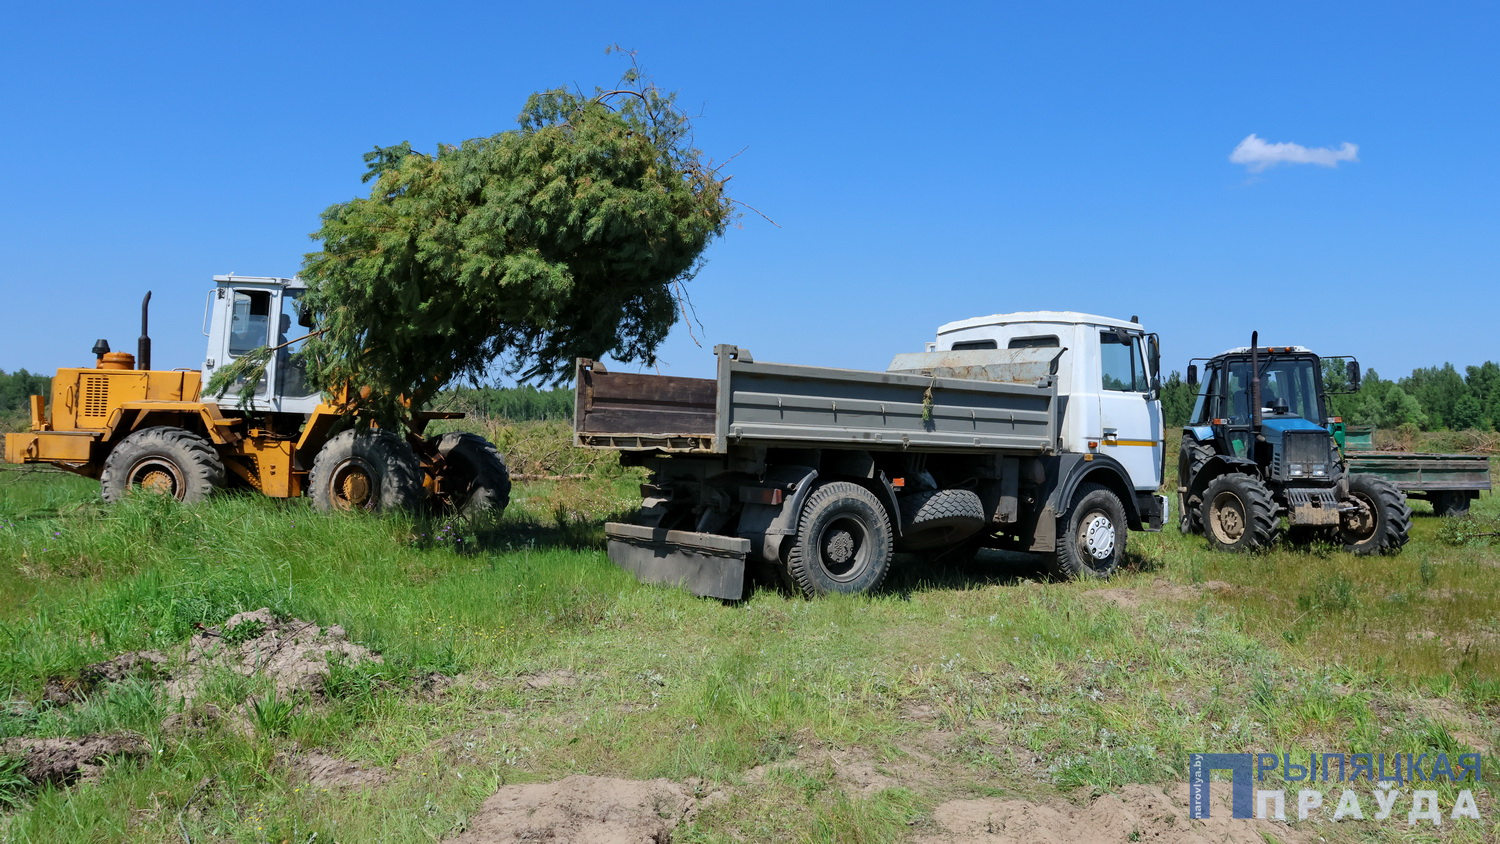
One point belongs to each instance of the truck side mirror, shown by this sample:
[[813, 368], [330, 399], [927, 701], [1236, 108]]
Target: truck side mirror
[[1153, 351], [1352, 371], [1192, 380]]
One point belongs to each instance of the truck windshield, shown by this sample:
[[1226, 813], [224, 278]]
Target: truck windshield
[[1293, 380]]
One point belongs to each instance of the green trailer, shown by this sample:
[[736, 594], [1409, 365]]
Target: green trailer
[[1448, 481]]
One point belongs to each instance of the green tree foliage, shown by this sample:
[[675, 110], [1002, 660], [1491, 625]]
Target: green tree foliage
[[1484, 385], [517, 404], [1176, 400], [1438, 390], [16, 386], [569, 236]]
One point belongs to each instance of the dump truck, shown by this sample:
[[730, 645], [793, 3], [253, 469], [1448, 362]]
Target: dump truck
[[131, 426], [1037, 431], [1449, 482]]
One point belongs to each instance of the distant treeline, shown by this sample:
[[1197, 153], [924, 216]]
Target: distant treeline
[[16, 386], [1433, 398]]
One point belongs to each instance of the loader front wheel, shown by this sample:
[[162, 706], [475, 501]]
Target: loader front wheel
[[473, 480], [167, 460], [365, 470]]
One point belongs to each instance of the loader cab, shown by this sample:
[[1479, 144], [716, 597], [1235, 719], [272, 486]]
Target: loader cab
[[246, 313]]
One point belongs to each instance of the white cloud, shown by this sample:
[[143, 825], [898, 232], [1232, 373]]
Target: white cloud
[[1257, 155]]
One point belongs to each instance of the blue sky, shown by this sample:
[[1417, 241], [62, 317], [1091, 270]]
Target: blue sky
[[925, 162]]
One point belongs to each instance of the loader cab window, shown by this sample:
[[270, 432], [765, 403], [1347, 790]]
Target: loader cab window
[[1121, 363], [291, 372], [250, 321]]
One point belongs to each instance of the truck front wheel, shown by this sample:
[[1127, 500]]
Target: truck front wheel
[[843, 542], [1090, 536], [364, 470], [1381, 521], [167, 460]]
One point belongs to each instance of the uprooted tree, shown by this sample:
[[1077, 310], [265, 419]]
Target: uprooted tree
[[571, 235]]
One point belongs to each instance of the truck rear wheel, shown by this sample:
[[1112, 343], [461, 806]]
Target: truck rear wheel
[[168, 460], [474, 479], [939, 518], [843, 541], [1090, 536], [364, 470], [1238, 514], [1382, 521]]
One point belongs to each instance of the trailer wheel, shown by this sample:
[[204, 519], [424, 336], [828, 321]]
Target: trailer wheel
[[1090, 536], [1449, 504], [173, 461], [474, 479], [938, 518], [843, 541], [1195, 455], [365, 470], [1382, 521], [1238, 514]]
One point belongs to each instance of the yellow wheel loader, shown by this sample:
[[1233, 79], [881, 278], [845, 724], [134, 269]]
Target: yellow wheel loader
[[129, 425]]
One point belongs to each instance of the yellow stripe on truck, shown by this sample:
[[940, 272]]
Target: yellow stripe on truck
[[1132, 442]]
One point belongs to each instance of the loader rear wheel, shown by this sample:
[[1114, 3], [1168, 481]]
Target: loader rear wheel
[[473, 479], [167, 460], [1238, 514], [1382, 520], [365, 470], [843, 541], [1090, 536], [939, 518]]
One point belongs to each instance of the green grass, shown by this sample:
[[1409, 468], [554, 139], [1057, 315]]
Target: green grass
[[956, 681]]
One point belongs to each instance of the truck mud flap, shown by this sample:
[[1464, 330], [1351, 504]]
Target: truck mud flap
[[705, 564]]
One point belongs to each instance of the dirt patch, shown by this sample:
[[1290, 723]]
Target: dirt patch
[[550, 679], [1133, 597], [91, 679], [1137, 813], [64, 761], [582, 810], [321, 770], [293, 653]]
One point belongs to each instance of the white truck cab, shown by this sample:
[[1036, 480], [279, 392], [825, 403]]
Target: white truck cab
[[1107, 369]]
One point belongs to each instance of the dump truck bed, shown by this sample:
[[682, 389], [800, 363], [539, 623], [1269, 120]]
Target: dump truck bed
[[783, 405]]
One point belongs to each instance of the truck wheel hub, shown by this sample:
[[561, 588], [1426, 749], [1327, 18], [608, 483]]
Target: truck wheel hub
[[839, 548], [1099, 537]]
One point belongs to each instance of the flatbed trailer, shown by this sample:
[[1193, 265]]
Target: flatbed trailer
[[1448, 481]]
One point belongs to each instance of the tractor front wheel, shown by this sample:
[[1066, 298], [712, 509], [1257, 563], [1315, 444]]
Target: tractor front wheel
[[1381, 520], [167, 460], [1238, 514], [371, 469]]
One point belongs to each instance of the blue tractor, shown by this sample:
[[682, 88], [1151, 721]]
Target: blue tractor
[[1258, 450]]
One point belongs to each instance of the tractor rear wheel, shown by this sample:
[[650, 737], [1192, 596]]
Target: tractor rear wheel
[[372, 469], [843, 541], [1382, 520], [1195, 456], [473, 479], [1238, 514], [1090, 536], [173, 461]]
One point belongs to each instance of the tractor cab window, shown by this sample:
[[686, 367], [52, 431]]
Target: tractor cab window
[[250, 321], [1289, 380], [1121, 362], [1204, 404]]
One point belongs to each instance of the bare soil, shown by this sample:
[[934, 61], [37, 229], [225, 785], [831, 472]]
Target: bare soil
[[1138, 813], [582, 810], [64, 761]]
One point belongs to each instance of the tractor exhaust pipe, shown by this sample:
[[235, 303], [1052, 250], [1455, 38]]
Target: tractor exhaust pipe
[[1255, 416], [143, 345]]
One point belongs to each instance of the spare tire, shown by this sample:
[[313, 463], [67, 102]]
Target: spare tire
[[938, 518]]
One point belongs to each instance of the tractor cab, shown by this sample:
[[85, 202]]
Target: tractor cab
[[1291, 400], [245, 313]]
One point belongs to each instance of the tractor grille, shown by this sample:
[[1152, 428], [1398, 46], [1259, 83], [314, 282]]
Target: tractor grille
[[95, 403], [1305, 456]]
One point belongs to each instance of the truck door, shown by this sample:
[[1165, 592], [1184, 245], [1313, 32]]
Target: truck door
[[1132, 432]]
